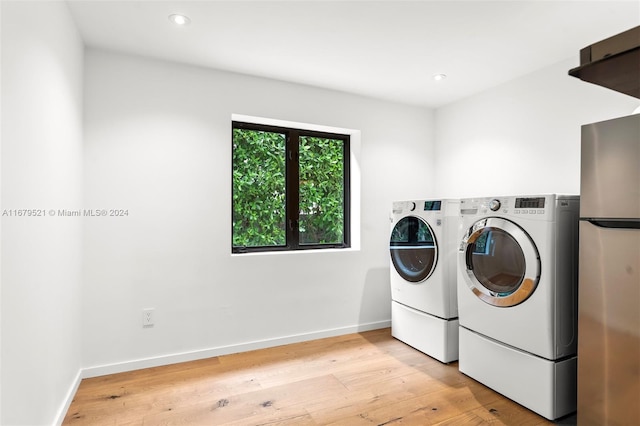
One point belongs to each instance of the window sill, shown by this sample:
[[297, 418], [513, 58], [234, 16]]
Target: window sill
[[295, 252]]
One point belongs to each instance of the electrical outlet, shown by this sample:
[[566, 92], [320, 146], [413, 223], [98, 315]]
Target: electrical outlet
[[147, 317]]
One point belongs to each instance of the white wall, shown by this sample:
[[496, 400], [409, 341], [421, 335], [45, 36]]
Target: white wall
[[157, 142], [522, 137], [42, 57]]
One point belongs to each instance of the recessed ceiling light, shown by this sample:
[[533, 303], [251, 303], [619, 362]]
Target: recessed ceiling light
[[439, 77], [179, 19]]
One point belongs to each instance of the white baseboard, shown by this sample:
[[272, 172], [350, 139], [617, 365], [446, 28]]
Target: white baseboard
[[138, 364], [71, 393]]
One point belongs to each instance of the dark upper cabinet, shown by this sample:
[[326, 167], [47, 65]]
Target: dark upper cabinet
[[613, 63]]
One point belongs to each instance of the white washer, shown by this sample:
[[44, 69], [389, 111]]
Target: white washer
[[423, 244], [517, 298]]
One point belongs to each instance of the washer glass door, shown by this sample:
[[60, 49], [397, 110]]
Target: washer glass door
[[501, 261], [414, 250]]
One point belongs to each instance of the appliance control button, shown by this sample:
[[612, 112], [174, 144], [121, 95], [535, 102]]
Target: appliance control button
[[494, 205], [412, 206], [532, 211]]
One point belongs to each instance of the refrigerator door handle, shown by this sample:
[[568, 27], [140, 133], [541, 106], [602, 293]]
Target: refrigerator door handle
[[614, 223]]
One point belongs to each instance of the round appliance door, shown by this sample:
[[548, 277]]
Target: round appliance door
[[501, 262], [414, 250]]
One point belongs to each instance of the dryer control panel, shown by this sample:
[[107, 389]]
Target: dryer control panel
[[537, 207], [517, 205], [530, 203]]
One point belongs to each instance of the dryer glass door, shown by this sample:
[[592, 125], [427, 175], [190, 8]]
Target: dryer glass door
[[501, 262], [413, 248]]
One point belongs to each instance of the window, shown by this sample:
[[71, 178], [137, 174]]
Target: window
[[290, 189]]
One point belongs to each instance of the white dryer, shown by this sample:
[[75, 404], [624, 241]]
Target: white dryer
[[517, 298], [423, 244]]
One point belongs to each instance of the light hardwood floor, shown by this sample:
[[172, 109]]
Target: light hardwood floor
[[367, 378]]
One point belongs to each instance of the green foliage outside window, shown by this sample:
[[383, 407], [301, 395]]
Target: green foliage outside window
[[321, 190], [259, 189]]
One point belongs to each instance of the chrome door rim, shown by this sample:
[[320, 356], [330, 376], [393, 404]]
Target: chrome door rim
[[531, 277]]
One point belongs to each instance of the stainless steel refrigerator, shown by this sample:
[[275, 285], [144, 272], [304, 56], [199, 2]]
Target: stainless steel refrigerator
[[609, 274]]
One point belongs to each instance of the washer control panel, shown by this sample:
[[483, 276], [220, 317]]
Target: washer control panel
[[432, 205], [400, 207]]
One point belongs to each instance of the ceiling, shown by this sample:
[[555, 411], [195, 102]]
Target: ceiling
[[383, 49]]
